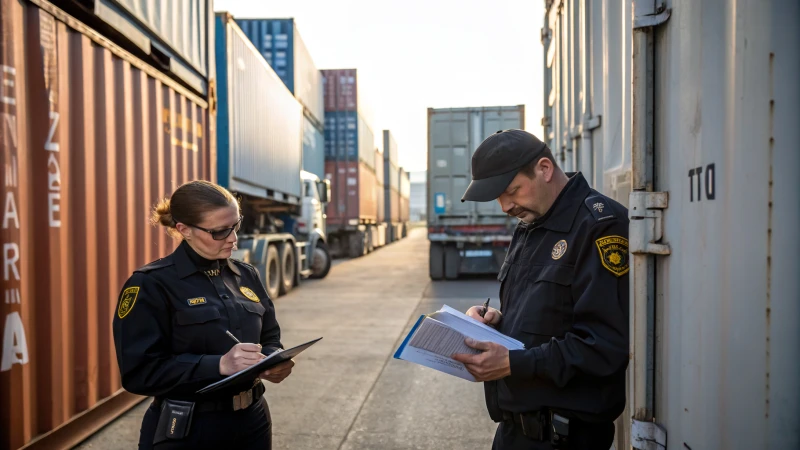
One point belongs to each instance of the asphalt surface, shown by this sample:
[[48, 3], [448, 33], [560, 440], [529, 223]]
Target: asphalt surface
[[348, 392]]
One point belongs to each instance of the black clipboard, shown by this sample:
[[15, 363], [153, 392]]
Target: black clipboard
[[272, 360]]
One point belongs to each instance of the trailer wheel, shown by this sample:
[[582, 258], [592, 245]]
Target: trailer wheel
[[321, 261], [273, 273], [436, 261], [357, 245], [452, 262], [288, 268]]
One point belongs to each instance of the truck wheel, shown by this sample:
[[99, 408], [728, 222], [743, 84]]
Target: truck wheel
[[452, 261], [288, 268], [436, 262], [357, 245], [321, 261], [273, 272]]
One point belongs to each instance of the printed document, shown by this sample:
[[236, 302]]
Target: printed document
[[437, 336]]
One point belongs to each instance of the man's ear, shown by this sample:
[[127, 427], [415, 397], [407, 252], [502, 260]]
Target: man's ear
[[545, 169]]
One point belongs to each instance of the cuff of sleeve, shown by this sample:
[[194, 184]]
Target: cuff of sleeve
[[525, 363], [208, 367]]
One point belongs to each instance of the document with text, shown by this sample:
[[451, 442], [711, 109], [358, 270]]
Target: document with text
[[437, 336]]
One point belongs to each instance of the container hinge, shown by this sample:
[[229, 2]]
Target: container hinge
[[546, 121], [590, 123], [646, 225], [544, 34], [651, 20], [648, 435]]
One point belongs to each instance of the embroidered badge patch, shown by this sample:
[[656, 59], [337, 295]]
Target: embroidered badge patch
[[614, 254], [249, 294], [196, 301], [559, 249], [127, 300]]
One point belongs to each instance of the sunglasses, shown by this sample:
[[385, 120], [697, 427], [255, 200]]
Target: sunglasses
[[219, 235]]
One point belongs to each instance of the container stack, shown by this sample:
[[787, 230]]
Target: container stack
[[279, 42], [405, 195], [391, 190]]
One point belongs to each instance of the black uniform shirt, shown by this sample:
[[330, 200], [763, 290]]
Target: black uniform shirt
[[564, 294], [169, 327]]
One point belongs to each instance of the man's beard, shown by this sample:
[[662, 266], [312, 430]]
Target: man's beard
[[518, 211]]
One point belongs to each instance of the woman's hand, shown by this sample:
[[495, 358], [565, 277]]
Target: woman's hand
[[241, 356], [278, 373]]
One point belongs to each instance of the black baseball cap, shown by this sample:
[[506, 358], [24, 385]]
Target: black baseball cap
[[498, 160]]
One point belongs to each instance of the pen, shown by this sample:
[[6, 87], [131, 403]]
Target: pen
[[485, 307], [232, 336]]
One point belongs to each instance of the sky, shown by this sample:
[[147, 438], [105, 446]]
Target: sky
[[413, 55]]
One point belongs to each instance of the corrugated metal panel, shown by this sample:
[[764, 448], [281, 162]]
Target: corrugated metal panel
[[176, 34], [355, 193], [725, 150], [260, 123], [348, 138], [453, 136], [279, 42], [91, 139], [313, 149], [390, 147]]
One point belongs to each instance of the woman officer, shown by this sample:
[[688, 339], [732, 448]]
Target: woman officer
[[170, 330]]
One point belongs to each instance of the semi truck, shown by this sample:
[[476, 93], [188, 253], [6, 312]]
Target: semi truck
[[259, 158], [465, 237]]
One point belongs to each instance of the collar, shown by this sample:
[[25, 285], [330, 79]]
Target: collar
[[562, 214], [186, 266]]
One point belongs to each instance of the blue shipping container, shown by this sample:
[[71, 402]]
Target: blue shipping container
[[313, 149], [259, 122], [348, 138], [280, 44]]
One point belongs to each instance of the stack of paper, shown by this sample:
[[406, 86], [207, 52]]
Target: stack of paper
[[435, 337]]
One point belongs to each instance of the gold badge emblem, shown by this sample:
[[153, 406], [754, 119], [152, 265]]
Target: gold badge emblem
[[127, 300], [559, 249], [614, 254], [249, 294]]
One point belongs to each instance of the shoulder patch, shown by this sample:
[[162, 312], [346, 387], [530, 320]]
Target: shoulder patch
[[157, 264], [600, 207], [127, 300], [614, 254]]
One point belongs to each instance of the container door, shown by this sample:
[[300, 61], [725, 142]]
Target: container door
[[449, 163], [493, 120]]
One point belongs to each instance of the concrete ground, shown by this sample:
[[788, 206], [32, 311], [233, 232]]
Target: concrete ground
[[347, 392]]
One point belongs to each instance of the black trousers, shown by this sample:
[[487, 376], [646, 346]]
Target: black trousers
[[582, 436], [249, 428]]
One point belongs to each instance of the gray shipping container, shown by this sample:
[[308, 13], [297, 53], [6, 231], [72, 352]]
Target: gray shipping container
[[453, 136], [390, 148], [689, 116], [260, 123], [175, 33]]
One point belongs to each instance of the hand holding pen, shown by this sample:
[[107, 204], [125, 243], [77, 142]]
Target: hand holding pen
[[484, 314], [240, 357]]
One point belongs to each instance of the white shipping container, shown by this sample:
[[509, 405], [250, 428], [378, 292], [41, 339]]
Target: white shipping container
[[688, 114]]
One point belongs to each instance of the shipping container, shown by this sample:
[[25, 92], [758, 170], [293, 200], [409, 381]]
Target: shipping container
[[260, 122], [688, 115], [344, 92], [466, 237], [348, 137], [379, 175], [91, 138], [390, 152], [313, 149], [279, 42], [355, 193], [405, 194], [174, 36]]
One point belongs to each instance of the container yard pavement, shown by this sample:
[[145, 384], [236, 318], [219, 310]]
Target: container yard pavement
[[347, 392]]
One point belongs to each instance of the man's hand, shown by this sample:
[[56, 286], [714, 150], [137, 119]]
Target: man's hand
[[491, 364], [491, 318], [277, 373]]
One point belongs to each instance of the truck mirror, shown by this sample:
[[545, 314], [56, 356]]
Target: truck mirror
[[325, 191]]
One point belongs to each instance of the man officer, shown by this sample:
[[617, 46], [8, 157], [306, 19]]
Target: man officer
[[563, 293]]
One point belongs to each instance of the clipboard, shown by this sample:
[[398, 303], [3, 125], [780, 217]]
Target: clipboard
[[272, 360]]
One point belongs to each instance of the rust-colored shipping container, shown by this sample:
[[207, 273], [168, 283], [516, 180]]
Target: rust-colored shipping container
[[91, 138], [355, 194], [340, 90]]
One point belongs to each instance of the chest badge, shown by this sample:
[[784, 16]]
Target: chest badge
[[559, 249], [249, 294], [614, 254]]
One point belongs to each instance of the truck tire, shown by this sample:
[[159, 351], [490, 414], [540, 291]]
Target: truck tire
[[272, 280], [436, 261], [321, 261], [288, 268], [452, 262], [357, 245]]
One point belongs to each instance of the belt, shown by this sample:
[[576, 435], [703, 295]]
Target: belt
[[237, 402], [534, 424]]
